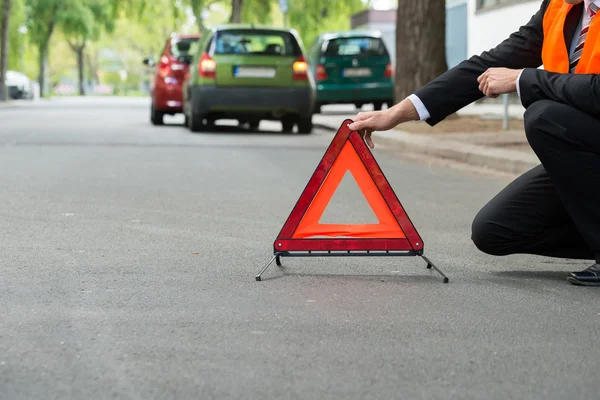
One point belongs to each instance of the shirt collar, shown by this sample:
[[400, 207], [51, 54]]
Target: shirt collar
[[588, 2]]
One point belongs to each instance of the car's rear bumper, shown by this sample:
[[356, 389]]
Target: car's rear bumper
[[259, 102], [168, 98], [351, 93]]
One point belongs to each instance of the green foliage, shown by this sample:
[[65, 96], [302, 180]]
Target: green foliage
[[84, 20], [120, 33], [258, 11], [16, 40], [313, 17]]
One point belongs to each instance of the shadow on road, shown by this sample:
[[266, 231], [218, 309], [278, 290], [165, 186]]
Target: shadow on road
[[545, 275], [397, 278], [237, 130]]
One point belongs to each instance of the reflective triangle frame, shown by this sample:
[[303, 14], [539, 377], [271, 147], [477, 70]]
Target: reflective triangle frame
[[287, 245]]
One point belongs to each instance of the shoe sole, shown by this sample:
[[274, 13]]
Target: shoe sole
[[581, 283]]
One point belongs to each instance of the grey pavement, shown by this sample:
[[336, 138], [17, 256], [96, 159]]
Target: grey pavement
[[127, 262]]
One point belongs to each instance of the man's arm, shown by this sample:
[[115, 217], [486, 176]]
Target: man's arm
[[579, 90], [458, 87]]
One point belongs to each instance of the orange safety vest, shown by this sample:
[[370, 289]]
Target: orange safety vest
[[555, 55]]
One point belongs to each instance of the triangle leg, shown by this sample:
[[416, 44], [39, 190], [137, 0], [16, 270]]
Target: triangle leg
[[259, 276], [432, 265]]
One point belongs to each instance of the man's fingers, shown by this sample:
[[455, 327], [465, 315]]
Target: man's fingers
[[482, 82], [359, 125], [483, 76], [361, 116], [368, 139], [486, 88]]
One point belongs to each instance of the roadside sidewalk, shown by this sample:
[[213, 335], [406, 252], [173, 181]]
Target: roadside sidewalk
[[506, 151]]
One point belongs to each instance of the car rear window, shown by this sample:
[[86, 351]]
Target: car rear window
[[256, 42], [183, 47], [355, 47]]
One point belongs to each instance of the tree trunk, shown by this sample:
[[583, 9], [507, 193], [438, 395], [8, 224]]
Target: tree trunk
[[43, 77], [92, 66], [420, 44], [4, 49], [80, 67], [236, 11], [78, 49], [43, 51]]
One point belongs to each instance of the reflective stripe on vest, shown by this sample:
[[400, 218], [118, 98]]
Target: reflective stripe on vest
[[555, 55]]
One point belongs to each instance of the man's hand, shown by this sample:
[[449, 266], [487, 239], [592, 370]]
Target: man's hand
[[497, 81], [368, 122]]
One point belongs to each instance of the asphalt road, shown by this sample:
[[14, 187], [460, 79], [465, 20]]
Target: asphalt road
[[127, 262]]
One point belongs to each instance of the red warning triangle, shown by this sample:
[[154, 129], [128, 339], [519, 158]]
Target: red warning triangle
[[302, 230]]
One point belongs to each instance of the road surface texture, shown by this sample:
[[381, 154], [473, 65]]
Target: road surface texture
[[128, 254]]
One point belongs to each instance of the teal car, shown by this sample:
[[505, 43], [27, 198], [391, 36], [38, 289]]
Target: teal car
[[249, 74], [352, 68]]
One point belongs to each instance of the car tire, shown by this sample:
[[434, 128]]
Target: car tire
[[253, 125], [305, 125], [156, 117], [317, 109], [287, 125], [378, 105], [196, 123]]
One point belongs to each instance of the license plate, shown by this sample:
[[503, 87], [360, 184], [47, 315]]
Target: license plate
[[357, 72], [254, 72]]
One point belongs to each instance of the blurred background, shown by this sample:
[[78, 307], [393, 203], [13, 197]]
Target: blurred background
[[95, 47]]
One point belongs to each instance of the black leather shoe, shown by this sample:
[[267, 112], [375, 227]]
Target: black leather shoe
[[589, 277]]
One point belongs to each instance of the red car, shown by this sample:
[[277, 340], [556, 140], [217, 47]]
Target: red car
[[166, 89]]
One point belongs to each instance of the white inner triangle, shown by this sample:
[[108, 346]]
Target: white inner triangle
[[348, 205]]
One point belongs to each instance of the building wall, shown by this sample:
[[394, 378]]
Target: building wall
[[488, 27], [456, 32]]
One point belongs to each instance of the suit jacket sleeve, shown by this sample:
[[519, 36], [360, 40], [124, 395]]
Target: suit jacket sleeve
[[579, 90], [458, 86]]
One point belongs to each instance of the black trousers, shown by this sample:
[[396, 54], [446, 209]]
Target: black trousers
[[554, 209]]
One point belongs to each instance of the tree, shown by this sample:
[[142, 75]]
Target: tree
[[42, 17], [420, 44], [83, 21], [236, 11], [257, 12], [4, 49], [313, 17]]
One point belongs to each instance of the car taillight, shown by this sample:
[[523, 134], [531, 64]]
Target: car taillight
[[321, 74], [164, 66], [300, 69], [389, 71], [207, 67]]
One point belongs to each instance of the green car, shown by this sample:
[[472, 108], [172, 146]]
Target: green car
[[352, 68], [250, 74]]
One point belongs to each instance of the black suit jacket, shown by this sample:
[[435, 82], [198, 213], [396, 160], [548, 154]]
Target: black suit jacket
[[458, 86]]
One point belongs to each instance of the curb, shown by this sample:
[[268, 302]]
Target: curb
[[504, 160]]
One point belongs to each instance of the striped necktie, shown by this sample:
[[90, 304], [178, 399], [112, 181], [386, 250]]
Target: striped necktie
[[581, 41]]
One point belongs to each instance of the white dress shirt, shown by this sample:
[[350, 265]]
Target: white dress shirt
[[585, 19]]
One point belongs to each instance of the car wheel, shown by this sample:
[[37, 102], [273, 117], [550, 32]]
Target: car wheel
[[196, 123], [378, 105], [287, 125], [317, 109], [390, 103], [156, 117], [305, 125], [254, 125]]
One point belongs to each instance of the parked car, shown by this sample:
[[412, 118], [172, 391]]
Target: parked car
[[352, 68], [19, 86], [250, 74], [166, 89]]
